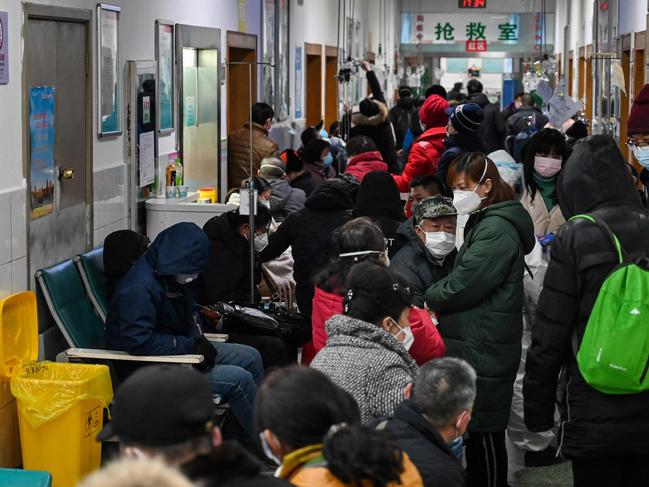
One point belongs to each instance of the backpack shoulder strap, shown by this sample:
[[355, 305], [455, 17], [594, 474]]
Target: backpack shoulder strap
[[607, 230]]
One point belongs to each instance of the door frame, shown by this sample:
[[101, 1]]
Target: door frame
[[33, 11], [241, 40], [313, 50]]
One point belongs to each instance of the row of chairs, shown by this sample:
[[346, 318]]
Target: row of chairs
[[76, 296]]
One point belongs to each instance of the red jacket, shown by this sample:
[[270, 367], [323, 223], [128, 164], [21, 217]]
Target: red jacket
[[423, 158], [428, 342], [358, 166]]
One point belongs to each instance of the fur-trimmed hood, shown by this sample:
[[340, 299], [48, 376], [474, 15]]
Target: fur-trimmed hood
[[379, 118]]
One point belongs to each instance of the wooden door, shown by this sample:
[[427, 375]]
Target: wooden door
[[241, 48], [313, 84], [331, 86], [588, 94], [638, 83], [571, 70]]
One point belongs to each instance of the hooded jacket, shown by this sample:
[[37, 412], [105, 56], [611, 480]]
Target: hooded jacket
[[416, 263], [307, 231], [368, 362], [425, 447], [594, 180], [456, 145], [481, 306], [285, 199], [378, 198], [423, 158], [149, 313], [400, 116], [228, 273], [239, 152], [492, 128], [377, 127], [362, 164], [428, 343]]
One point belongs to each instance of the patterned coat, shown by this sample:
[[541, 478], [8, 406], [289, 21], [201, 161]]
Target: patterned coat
[[367, 362]]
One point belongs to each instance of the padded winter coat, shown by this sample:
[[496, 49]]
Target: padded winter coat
[[417, 264], [285, 199], [239, 152], [544, 222], [595, 179], [362, 164], [456, 145], [492, 128], [428, 343], [481, 306], [423, 157], [149, 313], [368, 362]]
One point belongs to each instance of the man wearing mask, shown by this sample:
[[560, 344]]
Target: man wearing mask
[[429, 424], [638, 130], [424, 187], [152, 313], [429, 253]]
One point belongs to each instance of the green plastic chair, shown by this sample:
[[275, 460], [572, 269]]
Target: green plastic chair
[[24, 478], [91, 268]]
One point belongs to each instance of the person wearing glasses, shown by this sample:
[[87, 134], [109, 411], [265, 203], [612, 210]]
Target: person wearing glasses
[[638, 131]]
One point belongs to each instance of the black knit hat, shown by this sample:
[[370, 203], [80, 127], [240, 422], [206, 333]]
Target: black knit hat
[[466, 117], [368, 107]]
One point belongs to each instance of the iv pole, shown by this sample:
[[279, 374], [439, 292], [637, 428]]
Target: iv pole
[[251, 186]]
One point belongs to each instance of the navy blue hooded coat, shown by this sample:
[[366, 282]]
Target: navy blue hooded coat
[[150, 314]]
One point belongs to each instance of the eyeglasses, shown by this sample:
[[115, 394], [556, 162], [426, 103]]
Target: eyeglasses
[[641, 145]]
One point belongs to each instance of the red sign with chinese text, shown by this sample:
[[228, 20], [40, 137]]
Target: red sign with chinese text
[[476, 46], [472, 3]]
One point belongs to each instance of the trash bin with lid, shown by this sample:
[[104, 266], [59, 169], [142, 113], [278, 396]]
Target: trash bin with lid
[[60, 411]]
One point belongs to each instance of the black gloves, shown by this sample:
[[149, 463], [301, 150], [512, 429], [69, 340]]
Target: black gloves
[[205, 348]]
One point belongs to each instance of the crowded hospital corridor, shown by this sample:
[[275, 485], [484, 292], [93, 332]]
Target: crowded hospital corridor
[[324, 243]]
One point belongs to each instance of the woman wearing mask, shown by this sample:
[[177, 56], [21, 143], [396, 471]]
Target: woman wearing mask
[[367, 350], [311, 428], [361, 240], [543, 158], [318, 161], [480, 304], [379, 199]]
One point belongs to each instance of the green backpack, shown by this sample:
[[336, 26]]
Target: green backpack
[[614, 353]]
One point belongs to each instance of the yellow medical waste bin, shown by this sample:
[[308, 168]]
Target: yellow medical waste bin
[[60, 411], [18, 344]]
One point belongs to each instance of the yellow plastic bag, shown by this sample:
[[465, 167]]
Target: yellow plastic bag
[[46, 390]]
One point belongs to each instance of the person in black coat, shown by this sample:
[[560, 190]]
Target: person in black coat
[[307, 231], [521, 118], [402, 113], [606, 436], [429, 424], [463, 135], [379, 199], [492, 128], [373, 120], [430, 252]]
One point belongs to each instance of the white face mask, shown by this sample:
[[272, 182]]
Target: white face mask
[[439, 244], [266, 203], [466, 202], [409, 338], [261, 242], [267, 450], [186, 278]]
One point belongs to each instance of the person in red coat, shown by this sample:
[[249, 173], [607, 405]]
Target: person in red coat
[[428, 148], [364, 157], [361, 240]]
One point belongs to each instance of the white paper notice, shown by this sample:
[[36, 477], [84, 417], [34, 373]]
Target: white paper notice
[[147, 158], [561, 108]]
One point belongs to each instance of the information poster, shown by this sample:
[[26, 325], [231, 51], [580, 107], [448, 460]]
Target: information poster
[[108, 70], [147, 158], [4, 49], [41, 137], [190, 111], [298, 81], [165, 77]]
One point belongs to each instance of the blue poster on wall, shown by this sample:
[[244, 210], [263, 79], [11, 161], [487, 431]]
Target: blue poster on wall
[[41, 138]]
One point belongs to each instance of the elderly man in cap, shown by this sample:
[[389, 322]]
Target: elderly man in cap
[[167, 411], [284, 199], [429, 253]]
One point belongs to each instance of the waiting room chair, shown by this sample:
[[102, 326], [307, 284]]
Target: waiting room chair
[[91, 268], [24, 478], [82, 328]]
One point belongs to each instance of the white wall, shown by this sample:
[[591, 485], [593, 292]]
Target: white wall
[[633, 16]]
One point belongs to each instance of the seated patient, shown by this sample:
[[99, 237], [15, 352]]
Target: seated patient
[[367, 349], [152, 313]]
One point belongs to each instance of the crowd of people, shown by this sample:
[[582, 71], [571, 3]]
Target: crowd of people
[[436, 326]]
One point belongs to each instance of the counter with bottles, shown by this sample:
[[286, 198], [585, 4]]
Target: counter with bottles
[[161, 213]]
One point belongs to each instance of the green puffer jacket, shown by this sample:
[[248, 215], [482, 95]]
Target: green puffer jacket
[[481, 306]]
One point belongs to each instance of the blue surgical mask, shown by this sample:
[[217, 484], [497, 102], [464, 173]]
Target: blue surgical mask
[[456, 447], [328, 160], [642, 155]]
